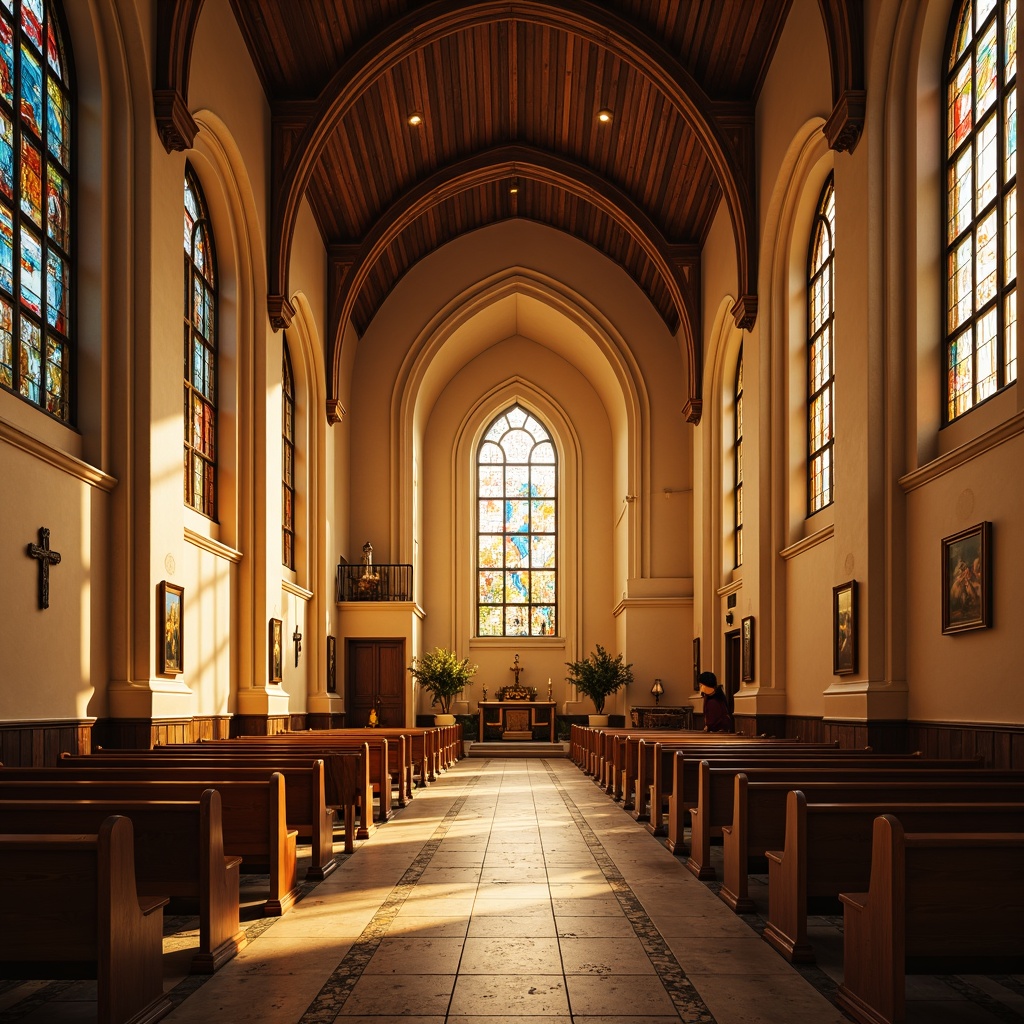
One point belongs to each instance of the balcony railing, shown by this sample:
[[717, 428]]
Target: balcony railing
[[375, 582]]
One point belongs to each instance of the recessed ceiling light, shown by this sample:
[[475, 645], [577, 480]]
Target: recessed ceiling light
[[415, 119], [605, 116]]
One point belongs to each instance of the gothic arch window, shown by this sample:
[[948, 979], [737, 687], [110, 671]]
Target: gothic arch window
[[287, 460], [981, 203], [36, 187], [820, 352], [737, 453], [517, 485], [200, 352]]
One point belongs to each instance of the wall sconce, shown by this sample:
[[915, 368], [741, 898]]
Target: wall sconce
[[728, 618], [657, 689]]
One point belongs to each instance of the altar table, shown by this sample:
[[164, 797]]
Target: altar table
[[518, 717]]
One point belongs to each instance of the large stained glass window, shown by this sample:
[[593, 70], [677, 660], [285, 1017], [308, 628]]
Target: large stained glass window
[[820, 352], [35, 206], [981, 204], [287, 461], [200, 352], [737, 455], [517, 483]]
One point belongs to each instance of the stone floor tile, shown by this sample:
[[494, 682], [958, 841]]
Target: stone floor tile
[[513, 995], [423, 994], [764, 999], [599, 927], [592, 955], [415, 955], [508, 955], [429, 927], [617, 995], [535, 926]]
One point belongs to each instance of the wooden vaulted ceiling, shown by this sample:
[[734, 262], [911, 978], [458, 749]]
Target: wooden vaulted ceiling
[[509, 92]]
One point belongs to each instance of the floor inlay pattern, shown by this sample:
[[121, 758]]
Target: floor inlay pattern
[[687, 1002]]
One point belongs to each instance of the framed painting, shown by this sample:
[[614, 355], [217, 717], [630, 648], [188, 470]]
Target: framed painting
[[696, 662], [844, 629], [172, 626], [332, 664], [967, 579], [276, 652], [747, 649]]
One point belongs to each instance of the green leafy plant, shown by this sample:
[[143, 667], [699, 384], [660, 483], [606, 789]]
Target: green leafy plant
[[599, 675], [443, 674]]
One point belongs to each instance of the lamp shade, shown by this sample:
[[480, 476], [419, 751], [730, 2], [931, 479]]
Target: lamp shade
[[657, 689]]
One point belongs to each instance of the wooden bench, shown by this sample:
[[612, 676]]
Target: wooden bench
[[179, 852], [69, 908], [253, 814], [936, 903], [827, 845], [760, 818], [716, 789]]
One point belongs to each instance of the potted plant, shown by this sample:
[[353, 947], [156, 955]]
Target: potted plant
[[598, 676], [444, 675]]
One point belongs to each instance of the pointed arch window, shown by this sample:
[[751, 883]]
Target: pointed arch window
[[36, 188], [981, 203], [287, 460], [517, 495], [737, 452], [820, 352], [200, 352]]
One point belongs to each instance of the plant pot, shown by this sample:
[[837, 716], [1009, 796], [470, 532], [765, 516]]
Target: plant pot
[[444, 719], [598, 720]]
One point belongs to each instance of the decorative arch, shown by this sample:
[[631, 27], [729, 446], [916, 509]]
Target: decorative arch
[[348, 275]]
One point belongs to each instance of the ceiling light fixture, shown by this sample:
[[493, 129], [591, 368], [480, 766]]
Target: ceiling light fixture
[[605, 116], [415, 119], [513, 187]]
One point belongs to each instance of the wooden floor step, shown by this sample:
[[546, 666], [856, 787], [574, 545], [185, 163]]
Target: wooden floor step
[[518, 748]]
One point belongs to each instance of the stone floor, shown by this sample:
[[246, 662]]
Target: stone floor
[[514, 889]]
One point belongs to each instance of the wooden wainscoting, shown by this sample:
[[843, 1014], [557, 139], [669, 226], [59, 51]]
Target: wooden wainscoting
[[1000, 746], [39, 744], [143, 733]]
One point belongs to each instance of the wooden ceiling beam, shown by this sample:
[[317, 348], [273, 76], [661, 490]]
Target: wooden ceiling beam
[[176, 22], [844, 33], [433, 21], [677, 265]]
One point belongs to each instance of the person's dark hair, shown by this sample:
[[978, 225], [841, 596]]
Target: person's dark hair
[[708, 679]]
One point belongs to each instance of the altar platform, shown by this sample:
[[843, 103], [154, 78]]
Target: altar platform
[[517, 748], [517, 720]]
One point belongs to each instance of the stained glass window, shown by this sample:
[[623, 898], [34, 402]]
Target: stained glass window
[[820, 352], [287, 461], [200, 352], [981, 204], [517, 485], [35, 206], [737, 453]]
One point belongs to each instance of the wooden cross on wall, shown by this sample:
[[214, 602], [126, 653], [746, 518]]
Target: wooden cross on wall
[[46, 559]]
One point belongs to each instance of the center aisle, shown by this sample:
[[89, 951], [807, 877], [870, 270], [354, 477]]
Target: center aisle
[[509, 889]]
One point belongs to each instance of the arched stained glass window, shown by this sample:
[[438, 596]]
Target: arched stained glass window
[[820, 352], [517, 484], [981, 203], [287, 460], [200, 352], [737, 453], [36, 177]]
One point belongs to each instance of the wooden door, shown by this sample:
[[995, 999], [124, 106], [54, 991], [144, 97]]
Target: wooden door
[[733, 654], [376, 676]]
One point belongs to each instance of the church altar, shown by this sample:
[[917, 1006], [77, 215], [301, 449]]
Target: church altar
[[517, 718]]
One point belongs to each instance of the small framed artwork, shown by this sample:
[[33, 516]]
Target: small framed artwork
[[332, 664], [172, 626], [276, 652], [844, 629], [747, 650], [696, 662], [967, 579]]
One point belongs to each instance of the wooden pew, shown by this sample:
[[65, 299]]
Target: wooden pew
[[936, 903], [305, 788], [827, 845], [760, 820], [253, 814], [653, 779], [69, 908], [179, 852], [716, 788]]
